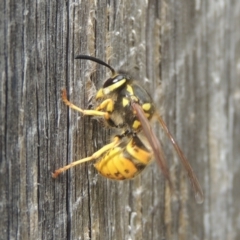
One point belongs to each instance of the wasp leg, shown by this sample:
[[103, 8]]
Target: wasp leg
[[116, 141], [83, 111], [107, 104]]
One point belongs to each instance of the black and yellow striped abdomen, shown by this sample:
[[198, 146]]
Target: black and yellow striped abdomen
[[124, 162]]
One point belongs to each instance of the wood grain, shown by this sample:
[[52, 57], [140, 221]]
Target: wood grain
[[186, 53]]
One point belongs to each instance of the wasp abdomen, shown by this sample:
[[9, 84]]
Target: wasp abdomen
[[124, 163]]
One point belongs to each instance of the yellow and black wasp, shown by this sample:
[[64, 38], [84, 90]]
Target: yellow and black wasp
[[125, 104]]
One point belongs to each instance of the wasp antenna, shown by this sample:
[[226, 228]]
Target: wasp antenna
[[97, 60]]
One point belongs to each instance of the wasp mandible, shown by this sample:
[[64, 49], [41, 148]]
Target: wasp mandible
[[126, 105]]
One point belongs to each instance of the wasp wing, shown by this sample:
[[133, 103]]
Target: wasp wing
[[190, 173], [153, 141], [158, 153]]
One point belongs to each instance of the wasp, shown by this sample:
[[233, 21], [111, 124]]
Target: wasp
[[124, 104]]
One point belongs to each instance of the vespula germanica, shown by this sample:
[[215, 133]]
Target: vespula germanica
[[125, 104]]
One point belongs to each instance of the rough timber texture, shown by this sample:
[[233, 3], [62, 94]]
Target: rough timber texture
[[187, 50]]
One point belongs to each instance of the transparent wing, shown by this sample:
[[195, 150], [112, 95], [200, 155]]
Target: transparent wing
[[158, 153], [190, 173], [153, 141]]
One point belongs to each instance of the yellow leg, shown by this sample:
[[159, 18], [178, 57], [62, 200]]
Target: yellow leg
[[96, 155], [83, 111], [107, 104]]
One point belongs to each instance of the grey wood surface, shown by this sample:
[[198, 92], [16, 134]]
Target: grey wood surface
[[186, 53]]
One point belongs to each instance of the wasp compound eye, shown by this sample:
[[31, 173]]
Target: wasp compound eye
[[113, 80]]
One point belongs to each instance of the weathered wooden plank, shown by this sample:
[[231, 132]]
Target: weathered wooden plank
[[202, 50], [185, 53]]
